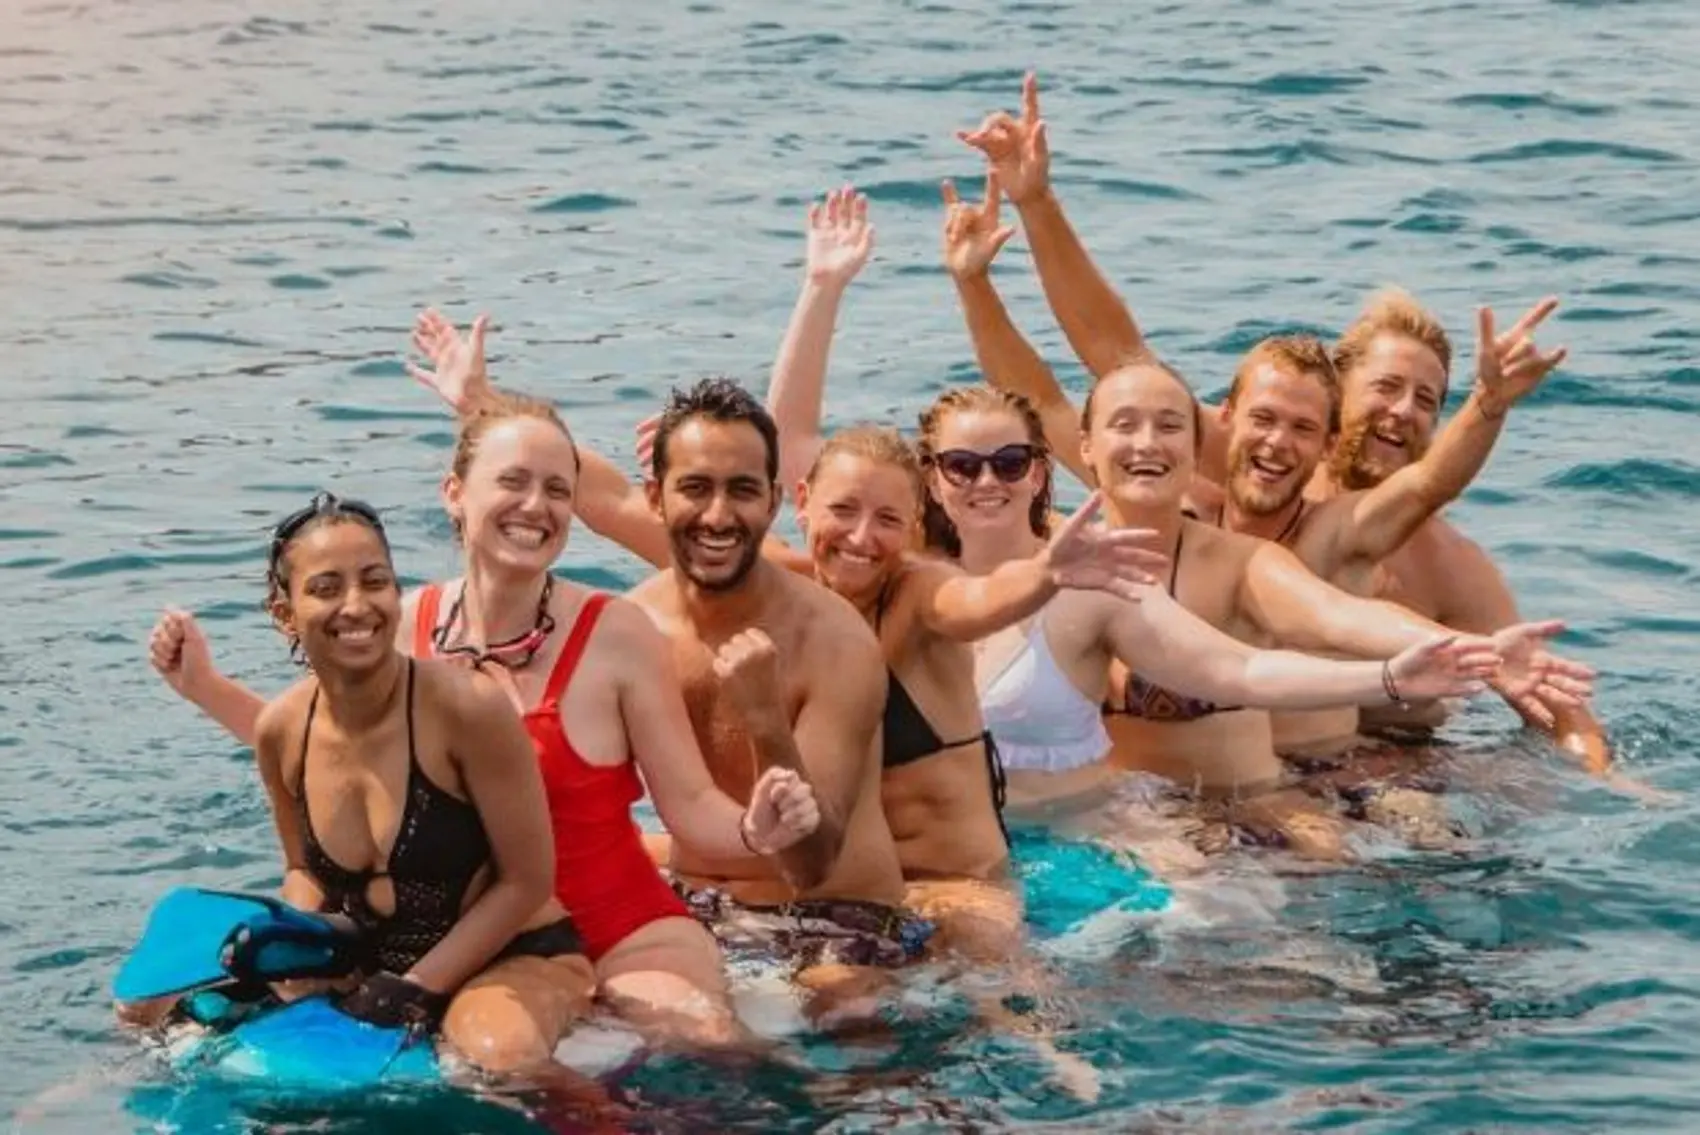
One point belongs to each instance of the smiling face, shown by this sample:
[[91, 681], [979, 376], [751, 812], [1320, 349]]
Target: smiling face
[[860, 517], [1391, 396], [985, 471], [1277, 435], [339, 597], [717, 499], [1141, 440], [512, 498]]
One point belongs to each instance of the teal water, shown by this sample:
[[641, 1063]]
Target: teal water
[[215, 226]]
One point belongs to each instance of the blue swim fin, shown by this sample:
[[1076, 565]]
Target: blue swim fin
[[201, 939], [310, 1045]]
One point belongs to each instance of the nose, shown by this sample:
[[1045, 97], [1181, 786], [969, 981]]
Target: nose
[[862, 534], [1404, 408], [355, 602], [718, 512]]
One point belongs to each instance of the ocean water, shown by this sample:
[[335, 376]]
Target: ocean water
[[216, 222]]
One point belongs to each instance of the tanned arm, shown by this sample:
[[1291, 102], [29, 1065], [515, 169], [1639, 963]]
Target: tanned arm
[[499, 768]]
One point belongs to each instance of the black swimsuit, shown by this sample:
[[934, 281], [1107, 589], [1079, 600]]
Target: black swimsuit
[[908, 736], [440, 847]]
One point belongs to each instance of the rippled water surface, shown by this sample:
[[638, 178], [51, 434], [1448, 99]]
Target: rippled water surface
[[216, 220]]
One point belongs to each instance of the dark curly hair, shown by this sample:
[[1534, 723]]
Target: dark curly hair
[[718, 399]]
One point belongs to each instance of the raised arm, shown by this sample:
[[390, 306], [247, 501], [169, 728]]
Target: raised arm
[[1174, 648], [839, 242], [972, 237], [830, 745], [179, 652], [658, 730], [499, 768], [1099, 326], [955, 605], [1508, 367]]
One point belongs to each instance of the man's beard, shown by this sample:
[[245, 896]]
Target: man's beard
[[1352, 466]]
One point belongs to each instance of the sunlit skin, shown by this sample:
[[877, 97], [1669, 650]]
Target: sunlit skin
[[1278, 436], [1389, 407], [861, 520]]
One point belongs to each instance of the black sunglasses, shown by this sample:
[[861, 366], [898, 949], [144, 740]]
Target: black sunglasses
[[962, 466], [323, 504]]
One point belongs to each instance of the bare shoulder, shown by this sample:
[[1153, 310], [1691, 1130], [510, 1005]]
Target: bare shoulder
[[625, 626], [1220, 545], [827, 626], [465, 697], [286, 709], [656, 597]]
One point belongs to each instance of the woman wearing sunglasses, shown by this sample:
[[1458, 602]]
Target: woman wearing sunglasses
[[594, 682], [408, 801]]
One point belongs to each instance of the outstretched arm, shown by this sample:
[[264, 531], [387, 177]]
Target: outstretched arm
[[1481, 602], [1507, 367], [1284, 599], [1174, 648], [839, 242], [956, 605], [972, 237]]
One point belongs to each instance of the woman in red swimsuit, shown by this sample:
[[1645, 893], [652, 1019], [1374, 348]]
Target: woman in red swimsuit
[[593, 680]]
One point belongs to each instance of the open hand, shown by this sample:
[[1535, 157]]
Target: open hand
[[1508, 366], [178, 651], [840, 238], [1527, 669], [1016, 147], [460, 378], [1445, 666], [1122, 561], [972, 234], [782, 811]]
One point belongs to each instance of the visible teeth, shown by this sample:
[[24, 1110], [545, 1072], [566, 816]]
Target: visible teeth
[[855, 557], [1145, 469], [1270, 468], [362, 634], [525, 534], [1394, 440], [987, 504], [717, 543]]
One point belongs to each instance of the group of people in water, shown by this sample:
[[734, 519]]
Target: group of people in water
[[1234, 641]]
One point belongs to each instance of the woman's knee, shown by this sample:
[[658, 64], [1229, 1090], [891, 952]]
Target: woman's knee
[[512, 1017]]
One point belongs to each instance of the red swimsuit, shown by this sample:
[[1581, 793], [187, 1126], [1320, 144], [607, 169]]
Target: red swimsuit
[[603, 875]]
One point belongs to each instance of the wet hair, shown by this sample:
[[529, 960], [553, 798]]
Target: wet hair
[[880, 444], [1396, 311], [940, 533], [324, 509], [1305, 354], [1149, 362], [491, 412], [717, 399]]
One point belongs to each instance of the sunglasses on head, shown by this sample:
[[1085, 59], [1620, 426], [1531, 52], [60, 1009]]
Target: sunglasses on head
[[322, 504], [962, 466]]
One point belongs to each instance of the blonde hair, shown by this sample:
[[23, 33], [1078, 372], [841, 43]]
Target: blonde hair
[[492, 411], [940, 532], [1396, 311], [1305, 354], [875, 443]]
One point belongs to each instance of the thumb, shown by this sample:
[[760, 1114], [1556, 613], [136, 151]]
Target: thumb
[[1001, 238]]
